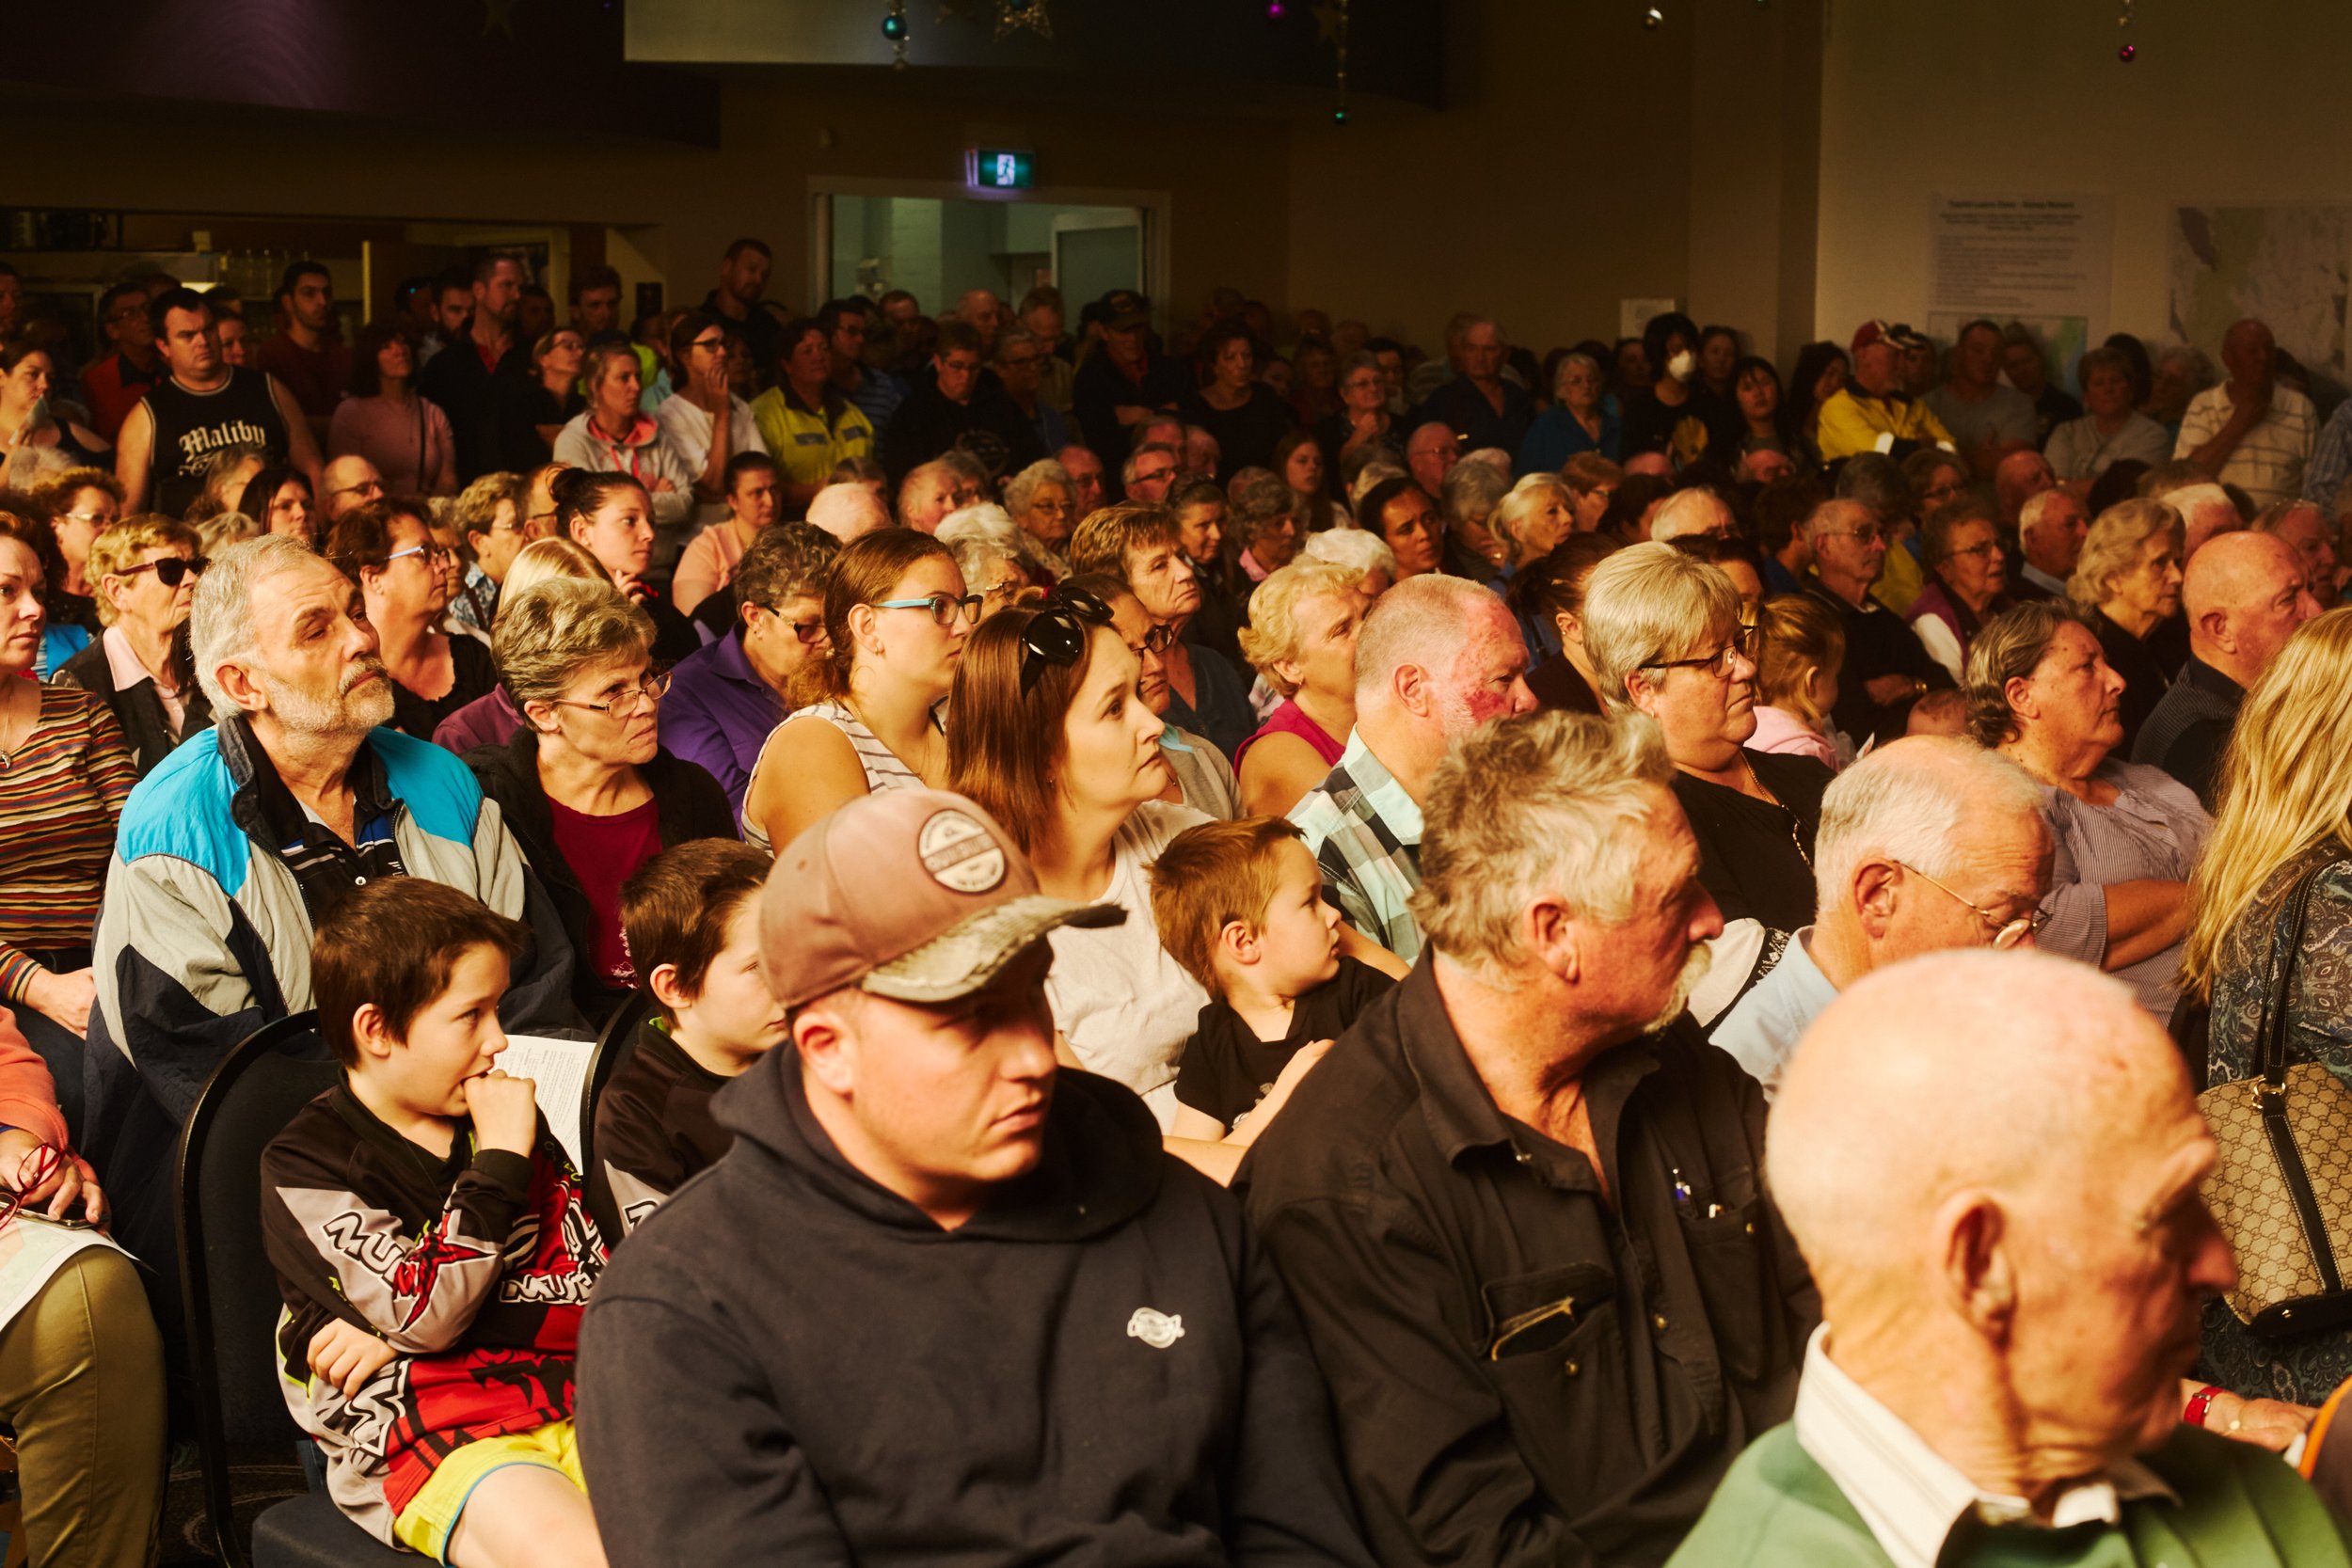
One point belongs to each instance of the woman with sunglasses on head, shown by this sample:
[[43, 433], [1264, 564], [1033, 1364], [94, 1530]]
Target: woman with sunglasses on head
[[405, 579], [610, 515], [144, 569], [867, 713], [584, 785]]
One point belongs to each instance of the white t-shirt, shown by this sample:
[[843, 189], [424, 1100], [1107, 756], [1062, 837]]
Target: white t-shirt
[[1124, 1005], [687, 429]]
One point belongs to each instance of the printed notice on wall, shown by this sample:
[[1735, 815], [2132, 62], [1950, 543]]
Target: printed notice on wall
[[2044, 260]]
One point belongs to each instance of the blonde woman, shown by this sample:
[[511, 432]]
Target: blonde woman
[[1301, 637], [144, 569], [2128, 582], [492, 720], [1531, 519], [2285, 792], [1800, 650]]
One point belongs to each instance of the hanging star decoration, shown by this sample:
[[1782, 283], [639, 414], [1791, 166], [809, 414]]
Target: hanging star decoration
[[1329, 19], [1015, 16], [499, 15]]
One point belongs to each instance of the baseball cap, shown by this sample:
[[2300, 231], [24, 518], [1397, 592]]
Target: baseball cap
[[1123, 308], [1896, 335], [915, 895]]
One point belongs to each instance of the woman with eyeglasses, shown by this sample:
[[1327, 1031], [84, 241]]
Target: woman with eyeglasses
[[407, 438], [728, 699], [1301, 637], [610, 515], [82, 503], [1362, 421], [1967, 571], [405, 581], [2041, 694], [2127, 583], [866, 712], [145, 570], [584, 785], [1665, 635], [280, 500], [539, 409]]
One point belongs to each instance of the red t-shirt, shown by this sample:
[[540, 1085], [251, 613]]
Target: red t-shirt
[[604, 852]]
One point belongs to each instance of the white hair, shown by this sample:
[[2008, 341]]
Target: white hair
[[1697, 510], [1360, 550], [1917, 801], [848, 511], [2036, 508], [984, 523], [220, 612]]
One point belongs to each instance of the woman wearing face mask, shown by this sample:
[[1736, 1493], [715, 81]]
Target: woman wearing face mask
[[866, 712], [1243, 413], [1677, 416], [584, 784]]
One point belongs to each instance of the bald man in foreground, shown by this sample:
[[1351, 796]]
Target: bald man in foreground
[[1990, 1161], [2245, 594]]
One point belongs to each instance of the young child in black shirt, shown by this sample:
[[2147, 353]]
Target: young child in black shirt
[[422, 1203], [690, 917], [1240, 905]]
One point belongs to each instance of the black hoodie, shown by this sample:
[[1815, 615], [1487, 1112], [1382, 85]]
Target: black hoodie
[[788, 1364]]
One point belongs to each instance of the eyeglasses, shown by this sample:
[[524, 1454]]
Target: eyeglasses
[[2006, 933], [1985, 549], [1153, 641], [439, 552], [1868, 534], [945, 608], [716, 346], [1719, 663], [47, 1161], [171, 571], [629, 703], [367, 489], [1057, 635], [809, 632]]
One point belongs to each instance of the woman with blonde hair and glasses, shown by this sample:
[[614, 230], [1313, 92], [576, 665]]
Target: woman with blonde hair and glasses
[[2127, 583], [867, 713], [144, 569], [2285, 797], [584, 785]]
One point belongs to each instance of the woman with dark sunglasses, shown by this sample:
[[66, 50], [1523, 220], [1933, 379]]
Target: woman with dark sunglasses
[[866, 712], [143, 571]]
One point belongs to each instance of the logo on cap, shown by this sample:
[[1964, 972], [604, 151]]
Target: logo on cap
[[959, 854]]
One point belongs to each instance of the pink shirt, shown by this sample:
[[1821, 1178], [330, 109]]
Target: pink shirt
[[1779, 730], [409, 445], [708, 565], [124, 669]]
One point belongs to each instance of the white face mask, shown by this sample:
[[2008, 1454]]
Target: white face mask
[[1681, 366]]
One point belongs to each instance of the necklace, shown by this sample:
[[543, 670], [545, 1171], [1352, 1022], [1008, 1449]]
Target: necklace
[[1794, 837]]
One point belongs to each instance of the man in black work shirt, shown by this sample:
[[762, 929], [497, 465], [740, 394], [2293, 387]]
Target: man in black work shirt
[[1520, 1204]]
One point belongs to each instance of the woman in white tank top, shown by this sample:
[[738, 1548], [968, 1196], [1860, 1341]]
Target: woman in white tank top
[[897, 613]]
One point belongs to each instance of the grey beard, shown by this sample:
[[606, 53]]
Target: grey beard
[[348, 713]]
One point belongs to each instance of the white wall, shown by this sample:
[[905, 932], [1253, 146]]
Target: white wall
[[2230, 102]]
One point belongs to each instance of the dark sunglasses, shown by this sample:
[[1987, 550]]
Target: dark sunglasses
[[1057, 635], [171, 571]]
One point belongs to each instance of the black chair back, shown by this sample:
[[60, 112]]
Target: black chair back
[[230, 1290], [614, 1043]]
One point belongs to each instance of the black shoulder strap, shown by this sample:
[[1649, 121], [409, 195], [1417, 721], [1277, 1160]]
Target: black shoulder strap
[[2270, 1040]]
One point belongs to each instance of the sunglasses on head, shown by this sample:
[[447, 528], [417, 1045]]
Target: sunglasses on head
[[171, 571], [1057, 635]]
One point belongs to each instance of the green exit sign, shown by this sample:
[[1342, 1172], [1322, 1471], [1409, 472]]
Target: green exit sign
[[996, 169]]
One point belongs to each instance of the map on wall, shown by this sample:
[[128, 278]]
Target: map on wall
[[2289, 265]]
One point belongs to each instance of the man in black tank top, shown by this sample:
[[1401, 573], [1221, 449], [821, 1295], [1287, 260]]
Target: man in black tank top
[[203, 404]]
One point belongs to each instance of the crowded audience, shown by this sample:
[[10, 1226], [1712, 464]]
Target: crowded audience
[[1312, 861]]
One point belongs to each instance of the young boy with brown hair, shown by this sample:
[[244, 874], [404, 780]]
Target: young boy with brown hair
[[424, 1200], [1240, 905], [691, 919]]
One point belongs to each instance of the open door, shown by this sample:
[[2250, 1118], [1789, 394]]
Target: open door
[[1096, 253]]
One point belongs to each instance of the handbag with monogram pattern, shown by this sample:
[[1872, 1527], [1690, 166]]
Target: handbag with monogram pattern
[[2282, 1189]]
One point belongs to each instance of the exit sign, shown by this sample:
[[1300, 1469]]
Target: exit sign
[[995, 169]]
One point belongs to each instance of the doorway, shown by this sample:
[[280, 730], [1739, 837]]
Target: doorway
[[940, 248]]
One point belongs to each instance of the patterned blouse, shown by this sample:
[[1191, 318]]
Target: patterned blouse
[[60, 793], [2304, 1370]]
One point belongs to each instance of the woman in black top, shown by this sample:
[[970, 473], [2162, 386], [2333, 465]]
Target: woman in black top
[[407, 581], [1547, 594], [1244, 414], [2128, 579], [1665, 638]]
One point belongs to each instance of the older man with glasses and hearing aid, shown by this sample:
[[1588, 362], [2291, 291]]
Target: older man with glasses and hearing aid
[[1887, 667]]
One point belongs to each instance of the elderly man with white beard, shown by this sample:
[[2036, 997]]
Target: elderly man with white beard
[[1520, 1204], [229, 850]]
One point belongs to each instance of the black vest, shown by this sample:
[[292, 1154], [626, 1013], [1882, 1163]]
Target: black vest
[[191, 426]]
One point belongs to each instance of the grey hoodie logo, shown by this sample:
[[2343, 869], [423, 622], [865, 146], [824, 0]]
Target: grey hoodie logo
[[1157, 1329]]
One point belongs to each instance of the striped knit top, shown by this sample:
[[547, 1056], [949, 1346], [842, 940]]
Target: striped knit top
[[883, 770], [60, 793]]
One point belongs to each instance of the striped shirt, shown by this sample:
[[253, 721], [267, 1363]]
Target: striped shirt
[[883, 770], [60, 793], [1365, 832], [2267, 463]]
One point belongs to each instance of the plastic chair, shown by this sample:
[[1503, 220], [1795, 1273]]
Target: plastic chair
[[615, 1045], [233, 1302]]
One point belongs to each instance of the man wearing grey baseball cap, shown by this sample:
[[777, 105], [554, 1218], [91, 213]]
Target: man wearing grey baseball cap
[[944, 1300]]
